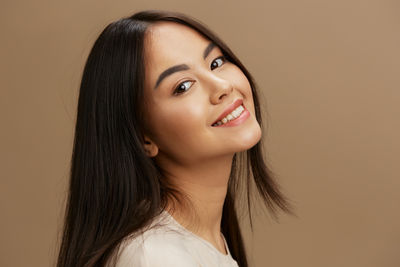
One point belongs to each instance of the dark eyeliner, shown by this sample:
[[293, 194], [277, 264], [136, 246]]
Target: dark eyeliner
[[179, 85], [220, 57]]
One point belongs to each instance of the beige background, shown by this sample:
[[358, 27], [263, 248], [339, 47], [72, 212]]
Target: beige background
[[330, 75]]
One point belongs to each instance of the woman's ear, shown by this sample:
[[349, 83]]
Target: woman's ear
[[150, 147]]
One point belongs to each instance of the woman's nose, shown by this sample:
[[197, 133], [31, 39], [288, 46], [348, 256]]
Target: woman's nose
[[219, 88]]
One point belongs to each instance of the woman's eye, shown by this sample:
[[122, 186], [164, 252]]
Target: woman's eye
[[182, 87], [218, 62]]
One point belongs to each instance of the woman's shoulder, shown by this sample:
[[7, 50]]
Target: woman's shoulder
[[161, 244]]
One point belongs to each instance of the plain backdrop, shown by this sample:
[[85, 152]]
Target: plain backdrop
[[329, 73]]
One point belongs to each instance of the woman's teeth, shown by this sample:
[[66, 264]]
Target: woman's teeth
[[231, 116]]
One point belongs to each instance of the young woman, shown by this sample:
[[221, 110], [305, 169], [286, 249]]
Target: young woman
[[168, 136]]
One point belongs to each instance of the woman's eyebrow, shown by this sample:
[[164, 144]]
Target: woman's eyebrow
[[181, 67], [208, 49]]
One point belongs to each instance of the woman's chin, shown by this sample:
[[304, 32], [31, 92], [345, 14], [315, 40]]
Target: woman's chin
[[251, 140], [248, 139]]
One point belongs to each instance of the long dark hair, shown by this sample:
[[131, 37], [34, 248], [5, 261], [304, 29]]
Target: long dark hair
[[115, 188]]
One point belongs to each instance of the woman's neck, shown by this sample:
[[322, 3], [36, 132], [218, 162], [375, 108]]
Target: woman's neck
[[205, 185]]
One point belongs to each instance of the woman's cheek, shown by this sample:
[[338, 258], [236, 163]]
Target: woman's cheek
[[180, 123], [244, 87]]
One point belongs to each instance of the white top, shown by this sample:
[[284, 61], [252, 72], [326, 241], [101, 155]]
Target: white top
[[172, 245]]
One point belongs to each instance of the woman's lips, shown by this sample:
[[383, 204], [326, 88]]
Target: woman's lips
[[229, 109], [242, 117]]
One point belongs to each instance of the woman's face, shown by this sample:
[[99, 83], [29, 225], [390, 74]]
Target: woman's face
[[183, 103]]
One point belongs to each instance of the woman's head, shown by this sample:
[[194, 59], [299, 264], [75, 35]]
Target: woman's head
[[189, 83], [131, 55], [129, 120]]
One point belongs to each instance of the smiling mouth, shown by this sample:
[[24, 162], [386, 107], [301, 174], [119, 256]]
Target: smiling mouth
[[231, 116], [229, 110]]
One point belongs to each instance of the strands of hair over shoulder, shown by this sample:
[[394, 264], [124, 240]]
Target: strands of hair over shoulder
[[115, 189]]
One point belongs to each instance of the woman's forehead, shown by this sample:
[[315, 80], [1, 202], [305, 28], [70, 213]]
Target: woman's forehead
[[169, 41]]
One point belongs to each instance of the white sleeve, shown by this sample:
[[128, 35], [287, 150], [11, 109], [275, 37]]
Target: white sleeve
[[155, 252]]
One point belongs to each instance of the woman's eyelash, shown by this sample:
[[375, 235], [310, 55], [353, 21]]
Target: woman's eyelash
[[176, 92], [182, 84], [222, 58]]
